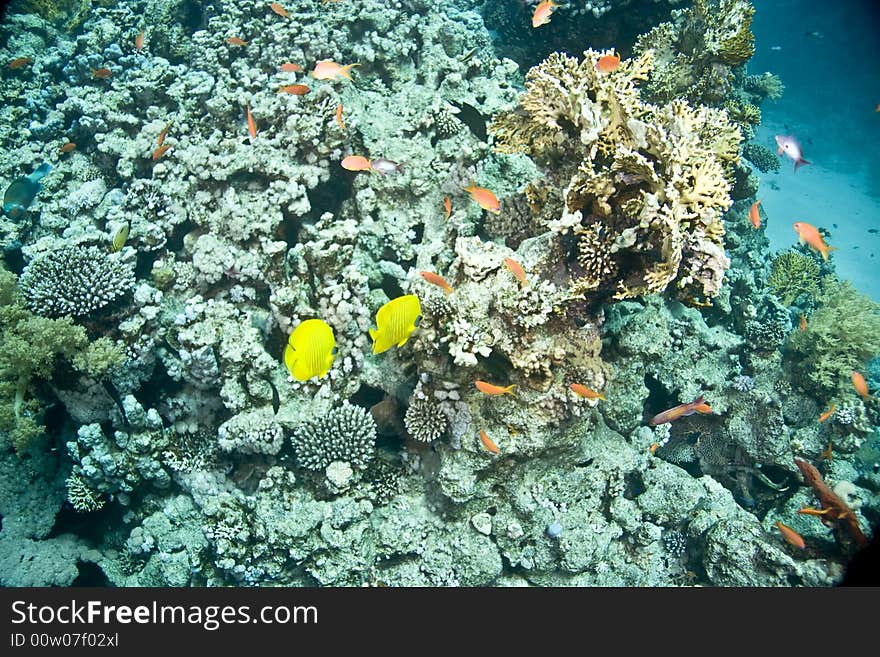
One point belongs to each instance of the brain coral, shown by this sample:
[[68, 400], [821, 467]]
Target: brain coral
[[74, 281], [644, 187], [346, 433]]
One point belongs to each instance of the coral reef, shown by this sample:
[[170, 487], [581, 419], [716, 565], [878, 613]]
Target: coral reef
[[345, 433], [655, 223], [793, 274]]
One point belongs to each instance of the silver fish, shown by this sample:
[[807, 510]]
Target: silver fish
[[382, 166], [790, 146]]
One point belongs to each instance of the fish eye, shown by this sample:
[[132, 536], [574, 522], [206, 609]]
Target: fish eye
[[418, 320]]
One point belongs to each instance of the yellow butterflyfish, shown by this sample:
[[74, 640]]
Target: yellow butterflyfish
[[120, 238], [310, 350], [395, 322]]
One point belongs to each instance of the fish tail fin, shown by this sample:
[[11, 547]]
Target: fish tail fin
[[449, 290], [40, 171], [800, 162], [345, 69], [472, 186], [601, 396], [399, 167], [826, 250], [509, 389]]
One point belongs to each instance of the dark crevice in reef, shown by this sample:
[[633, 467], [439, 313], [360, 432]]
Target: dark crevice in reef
[[14, 258], [391, 287], [658, 400], [329, 196], [510, 24], [90, 574], [175, 239]]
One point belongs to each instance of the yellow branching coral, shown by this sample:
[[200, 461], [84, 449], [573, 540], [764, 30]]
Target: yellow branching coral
[[644, 185]]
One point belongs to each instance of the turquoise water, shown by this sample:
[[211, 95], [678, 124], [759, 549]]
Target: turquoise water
[[412, 294]]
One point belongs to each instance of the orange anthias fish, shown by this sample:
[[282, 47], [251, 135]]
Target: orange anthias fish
[[583, 391], [329, 70], [139, 41], [235, 41], [484, 198], [356, 163], [447, 205], [161, 138], [252, 125], [160, 151], [488, 443], [802, 325], [19, 62], [810, 234], [682, 410], [290, 67], [490, 389], [517, 270], [294, 89], [860, 385], [436, 279], [543, 12], [608, 63], [339, 116], [827, 414], [278, 9], [791, 535], [101, 73], [755, 215], [69, 146]]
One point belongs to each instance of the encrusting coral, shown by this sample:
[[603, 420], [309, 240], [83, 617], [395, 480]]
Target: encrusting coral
[[644, 186]]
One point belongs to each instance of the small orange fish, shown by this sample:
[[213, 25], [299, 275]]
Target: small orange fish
[[543, 12], [827, 414], [754, 215], [810, 235], [827, 453], [517, 270], [139, 41], [356, 163], [160, 151], [101, 73], [339, 116], [436, 279], [330, 70], [484, 198], [252, 125], [810, 511], [488, 443], [860, 385], [69, 146], [447, 205], [802, 325], [608, 63], [161, 138], [791, 535], [654, 447], [278, 9], [682, 410], [294, 89], [489, 389], [584, 391], [290, 67], [235, 41], [19, 62]]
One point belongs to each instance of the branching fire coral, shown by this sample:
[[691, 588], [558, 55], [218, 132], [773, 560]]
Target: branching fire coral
[[644, 186]]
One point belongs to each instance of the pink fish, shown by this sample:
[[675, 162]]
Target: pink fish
[[790, 146]]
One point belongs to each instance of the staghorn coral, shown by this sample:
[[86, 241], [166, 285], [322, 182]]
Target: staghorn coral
[[345, 433], [794, 274], [648, 196], [841, 336], [74, 281]]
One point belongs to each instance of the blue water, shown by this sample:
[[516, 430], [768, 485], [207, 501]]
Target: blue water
[[827, 55]]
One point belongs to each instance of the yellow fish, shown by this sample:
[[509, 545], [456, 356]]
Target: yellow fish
[[120, 238], [395, 322], [310, 350]]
